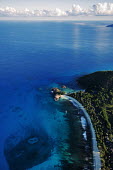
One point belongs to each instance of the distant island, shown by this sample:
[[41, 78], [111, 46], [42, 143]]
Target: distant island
[[110, 25], [98, 102]]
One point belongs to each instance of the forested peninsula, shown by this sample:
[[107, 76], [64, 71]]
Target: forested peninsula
[[97, 99]]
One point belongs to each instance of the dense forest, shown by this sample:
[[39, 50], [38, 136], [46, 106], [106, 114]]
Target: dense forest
[[97, 98]]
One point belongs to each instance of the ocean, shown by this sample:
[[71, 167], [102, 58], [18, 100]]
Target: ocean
[[34, 57]]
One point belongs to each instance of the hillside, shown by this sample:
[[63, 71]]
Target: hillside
[[97, 81], [98, 101]]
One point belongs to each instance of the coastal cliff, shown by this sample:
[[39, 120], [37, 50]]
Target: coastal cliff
[[97, 99]]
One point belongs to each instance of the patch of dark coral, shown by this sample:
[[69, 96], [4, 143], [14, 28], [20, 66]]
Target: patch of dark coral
[[29, 152]]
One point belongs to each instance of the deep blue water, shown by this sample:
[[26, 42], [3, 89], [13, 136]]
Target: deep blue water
[[36, 55]]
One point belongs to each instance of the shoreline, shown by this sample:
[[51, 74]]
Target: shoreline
[[80, 149], [96, 153]]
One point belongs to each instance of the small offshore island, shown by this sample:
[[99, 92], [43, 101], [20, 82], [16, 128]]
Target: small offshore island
[[97, 99], [110, 25]]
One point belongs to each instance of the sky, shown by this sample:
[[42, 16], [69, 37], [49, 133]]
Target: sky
[[56, 8], [49, 4]]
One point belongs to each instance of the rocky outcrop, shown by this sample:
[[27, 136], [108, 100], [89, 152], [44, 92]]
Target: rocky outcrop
[[56, 92], [57, 97], [64, 87]]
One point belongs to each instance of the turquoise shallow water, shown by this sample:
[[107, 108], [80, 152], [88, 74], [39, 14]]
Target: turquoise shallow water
[[33, 57]]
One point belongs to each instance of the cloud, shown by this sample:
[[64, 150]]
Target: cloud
[[9, 11], [77, 10], [103, 9], [100, 9], [44, 12]]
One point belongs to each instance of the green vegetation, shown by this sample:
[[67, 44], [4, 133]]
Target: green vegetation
[[98, 101], [97, 81]]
